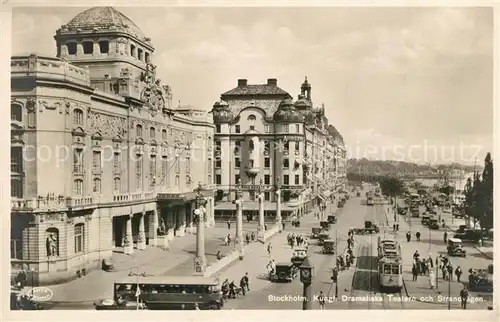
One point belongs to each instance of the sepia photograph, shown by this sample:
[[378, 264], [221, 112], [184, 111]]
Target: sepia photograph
[[257, 158]]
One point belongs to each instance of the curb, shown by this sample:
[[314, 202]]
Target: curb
[[483, 253]]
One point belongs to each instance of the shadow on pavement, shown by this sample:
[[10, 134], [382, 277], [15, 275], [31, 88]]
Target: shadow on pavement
[[367, 262], [365, 281]]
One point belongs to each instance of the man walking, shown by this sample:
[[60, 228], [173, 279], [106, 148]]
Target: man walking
[[408, 236], [269, 248], [247, 281], [228, 225], [414, 272], [464, 294], [417, 234], [445, 237], [321, 300], [458, 273]]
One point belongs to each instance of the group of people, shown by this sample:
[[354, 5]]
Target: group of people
[[297, 240], [229, 289], [421, 266], [347, 259], [408, 235]]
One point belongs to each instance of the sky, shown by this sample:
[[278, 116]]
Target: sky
[[408, 84]]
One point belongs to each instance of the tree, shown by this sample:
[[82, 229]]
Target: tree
[[392, 187], [447, 190], [485, 214]]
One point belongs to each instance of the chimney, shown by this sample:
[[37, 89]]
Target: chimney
[[272, 82], [242, 82]]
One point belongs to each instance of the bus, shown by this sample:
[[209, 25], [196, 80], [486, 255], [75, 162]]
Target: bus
[[164, 293]]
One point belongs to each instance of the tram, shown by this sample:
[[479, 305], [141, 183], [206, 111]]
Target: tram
[[390, 265]]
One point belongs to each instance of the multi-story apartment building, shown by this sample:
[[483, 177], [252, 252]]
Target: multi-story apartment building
[[100, 160], [264, 140]]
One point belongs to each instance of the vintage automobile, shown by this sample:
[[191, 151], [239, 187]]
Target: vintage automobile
[[316, 231], [322, 237], [325, 225], [358, 194], [299, 255], [329, 246], [332, 219], [285, 272], [425, 218], [481, 280], [455, 247], [369, 228], [433, 223]]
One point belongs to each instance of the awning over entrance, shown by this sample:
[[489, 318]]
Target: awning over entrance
[[252, 205]]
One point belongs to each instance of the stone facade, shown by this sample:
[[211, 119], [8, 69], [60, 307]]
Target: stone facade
[[263, 138], [100, 159]]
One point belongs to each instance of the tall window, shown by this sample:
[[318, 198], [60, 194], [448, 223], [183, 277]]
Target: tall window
[[218, 163], [188, 165], [96, 186], [210, 165], [16, 160], [138, 170], [267, 162], [297, 128], [267, 128], [138, 131], [78, 187], [267, 196], [286, 180], [88, 47], [78, 160], [117, 185], [104, 46], [177, 180], [217, 128], [236, 178], [178, 165], [152, 164], [16, 112], [152, 133], [164, 135], [78, 117], [96, 161], [237, 162], [16, 187], [297, 179], [117, 164], [297, 146], [218, 179], [286, 163], [71, 48], [236, 128], [267, 179], [79, 238], [164, 170], [286, 128]]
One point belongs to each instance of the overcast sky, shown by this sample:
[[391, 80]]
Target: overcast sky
[[398, 83]]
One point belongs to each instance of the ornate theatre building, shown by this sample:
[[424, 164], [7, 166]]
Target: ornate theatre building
[[100, 160], [265, 142]]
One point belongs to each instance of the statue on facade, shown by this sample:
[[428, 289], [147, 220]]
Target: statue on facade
[[51, 244]]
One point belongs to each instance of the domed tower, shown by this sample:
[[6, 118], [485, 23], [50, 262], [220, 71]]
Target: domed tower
[[288, 120], [223, 116], [117, 53], [305, 90]]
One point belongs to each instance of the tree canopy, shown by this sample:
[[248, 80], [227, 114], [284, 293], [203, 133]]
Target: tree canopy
[[391, 186]]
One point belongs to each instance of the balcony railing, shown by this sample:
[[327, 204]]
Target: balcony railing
[[79, 201], [77, 168]]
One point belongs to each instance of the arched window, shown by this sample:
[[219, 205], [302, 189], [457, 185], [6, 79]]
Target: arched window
[[78, 187], [138, 130], [78, 117], [164, 135], [16, 112], [177, 180], [117, 185], [96, 186], [79, 238], [52, 241], [251, 117], [152, 133]]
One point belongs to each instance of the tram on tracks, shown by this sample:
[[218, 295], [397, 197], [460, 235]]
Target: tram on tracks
[[390, 265]]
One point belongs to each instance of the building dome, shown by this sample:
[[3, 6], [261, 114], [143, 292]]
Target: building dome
[[306, 84], [302, 103], [222, 113], [287, 113], [104, 18]]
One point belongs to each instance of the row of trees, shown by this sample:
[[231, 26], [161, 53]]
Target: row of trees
[[478, 193]]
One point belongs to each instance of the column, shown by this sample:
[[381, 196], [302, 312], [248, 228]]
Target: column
[[212, 212], [153, 225], [260, 229], [128, 243], [278, 208], [141, 237], [239, 221], [96, 50], [200, 260], [79, 48], [171, 222]]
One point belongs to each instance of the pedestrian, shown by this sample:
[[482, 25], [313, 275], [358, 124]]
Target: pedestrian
[[253, 236], [393, 227], [283, 223], [247, 238], [445, 237], [450, 271], [265, 227], [408, 236], [243, 285], [442, 223], [247, 281], [226, 240], [397, 227], [464, 295], [228, 225], [414, 272], [321, 300], [269, 248], [232, 293], [417, 234], [458, 273]]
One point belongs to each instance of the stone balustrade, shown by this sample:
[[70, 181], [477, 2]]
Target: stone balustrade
[[79, 201]]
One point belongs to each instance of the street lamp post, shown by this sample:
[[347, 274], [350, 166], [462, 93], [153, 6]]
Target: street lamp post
[[200, 261], [239, 218], [306, 276], [450, 271], [261, 228], [278, 204]]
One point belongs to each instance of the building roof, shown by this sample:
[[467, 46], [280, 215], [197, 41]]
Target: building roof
[[260, 89], [104, 17]]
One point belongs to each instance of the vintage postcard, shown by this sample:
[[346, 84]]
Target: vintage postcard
[[251, 158]]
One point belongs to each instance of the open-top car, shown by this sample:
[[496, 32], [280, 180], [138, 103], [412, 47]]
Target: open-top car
[[332, 219], [325, 225], [329, 246], [369, 228], [299, 255], [455, 247], [285, 272], [322, 237], [316, 231]]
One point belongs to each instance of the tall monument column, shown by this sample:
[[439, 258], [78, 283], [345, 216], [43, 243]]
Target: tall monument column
[[278, 204], [200, 261], [260, 229], [239, 214]]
